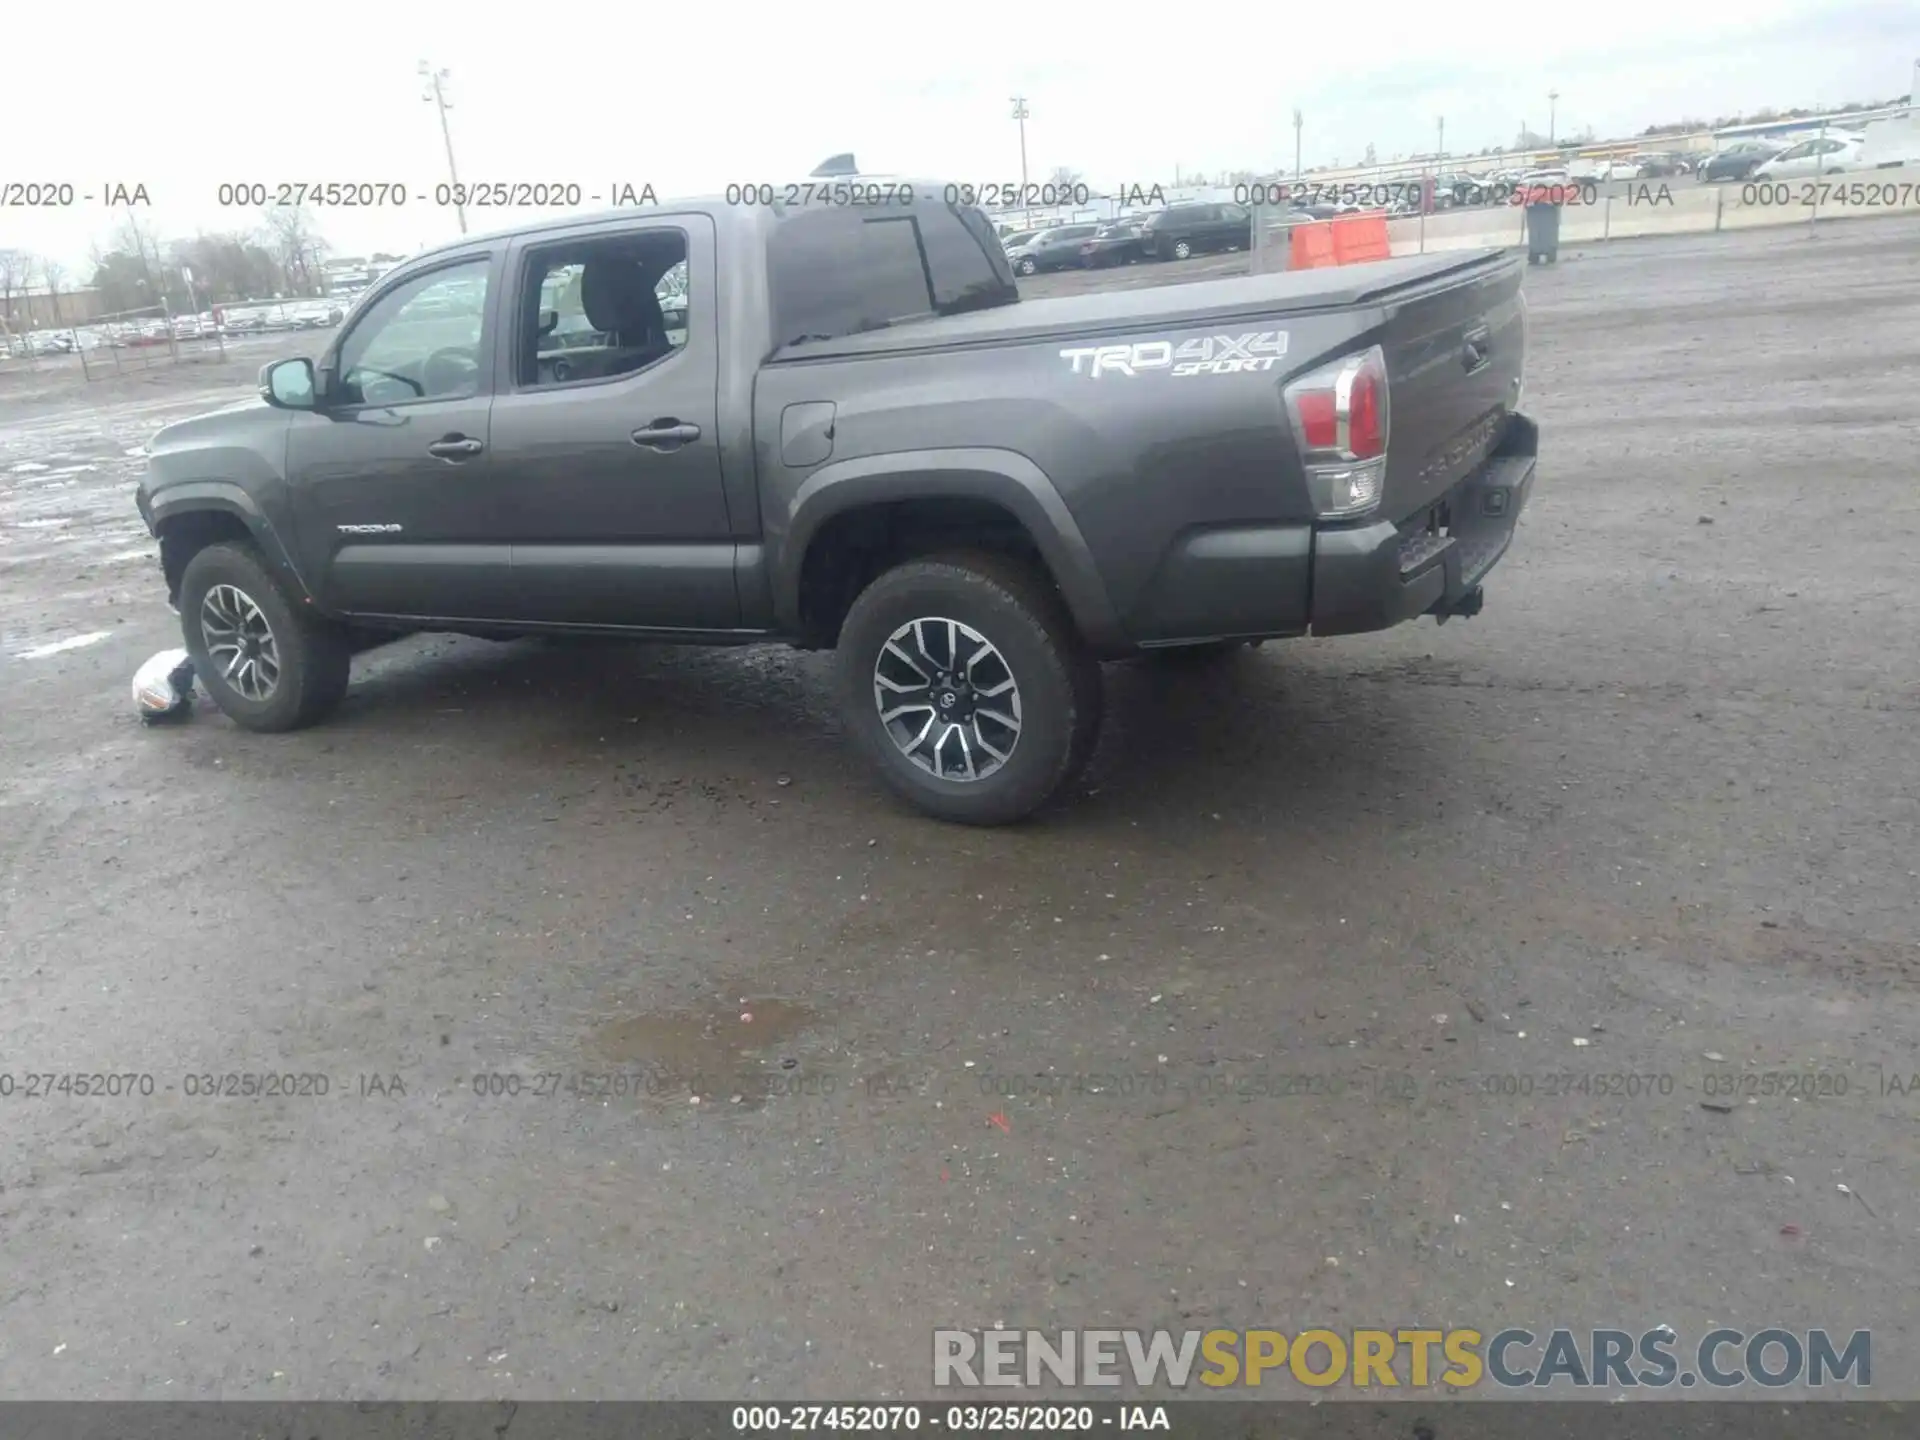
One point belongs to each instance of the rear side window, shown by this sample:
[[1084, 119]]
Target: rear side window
[[842, 270], [967, 264]]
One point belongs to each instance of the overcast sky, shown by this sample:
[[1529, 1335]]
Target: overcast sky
[[690, 98]]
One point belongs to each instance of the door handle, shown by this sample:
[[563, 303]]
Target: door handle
[[455, 447], [666, 435]]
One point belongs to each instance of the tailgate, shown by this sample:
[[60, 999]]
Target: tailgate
[[1455, 352]]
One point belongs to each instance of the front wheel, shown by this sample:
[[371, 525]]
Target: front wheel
[[268, 665], [962, 678], [1027, 266]]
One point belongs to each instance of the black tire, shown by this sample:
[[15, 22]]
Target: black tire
[[314, 655], [1026, 265], [1018, 611], [1182, 250]]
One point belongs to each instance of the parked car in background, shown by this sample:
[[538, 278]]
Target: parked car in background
[[1121, 243], [1548, 175], [1623, 167], [1833, 154], [1183, 230], [1891, 143], [1738, 162], [1662, 163], [1463, 191], [1055, 249]]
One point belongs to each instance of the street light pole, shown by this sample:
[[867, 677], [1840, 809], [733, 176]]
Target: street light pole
[[1296, 146], [436, 94], [1020, 114], [1553, 99]]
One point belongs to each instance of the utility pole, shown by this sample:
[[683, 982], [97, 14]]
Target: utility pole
[[1553, 99], [1440, 148], [1020, 114], [436, 94], [1296, 146]]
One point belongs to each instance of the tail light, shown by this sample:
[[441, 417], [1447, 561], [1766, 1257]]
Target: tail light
[[1341, 421]]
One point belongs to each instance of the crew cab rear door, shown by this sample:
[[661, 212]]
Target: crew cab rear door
[[608, 453]]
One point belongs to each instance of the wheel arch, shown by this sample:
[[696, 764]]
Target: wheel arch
[[933, 492], [190, 517]]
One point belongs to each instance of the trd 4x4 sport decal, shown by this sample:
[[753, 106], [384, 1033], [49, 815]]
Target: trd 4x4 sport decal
[[1207, 355]]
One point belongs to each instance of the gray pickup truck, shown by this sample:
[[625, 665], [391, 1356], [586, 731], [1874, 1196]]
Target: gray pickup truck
[[835, 423]]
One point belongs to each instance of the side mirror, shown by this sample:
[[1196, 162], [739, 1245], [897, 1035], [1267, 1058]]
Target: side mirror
[[288, 384]]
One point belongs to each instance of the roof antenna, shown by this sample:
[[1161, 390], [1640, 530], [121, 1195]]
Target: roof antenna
[[837, 165]]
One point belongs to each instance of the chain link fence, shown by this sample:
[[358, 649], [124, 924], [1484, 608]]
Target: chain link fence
[[1611, 193], [1598, 212], [155, 335]]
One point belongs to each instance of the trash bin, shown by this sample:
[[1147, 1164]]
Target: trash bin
[[1543, 230]]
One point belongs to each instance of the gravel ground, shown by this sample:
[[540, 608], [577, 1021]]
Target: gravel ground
[[1292, 983]]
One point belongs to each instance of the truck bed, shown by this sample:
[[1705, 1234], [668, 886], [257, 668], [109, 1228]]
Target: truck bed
[[1158, 307]]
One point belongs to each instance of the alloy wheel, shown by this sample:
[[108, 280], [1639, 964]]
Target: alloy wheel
[[947, 699], [240, 642]]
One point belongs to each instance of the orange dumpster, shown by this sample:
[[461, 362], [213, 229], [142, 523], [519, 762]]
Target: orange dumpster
[[1344, 240], [1357, 238], [1312, 246]]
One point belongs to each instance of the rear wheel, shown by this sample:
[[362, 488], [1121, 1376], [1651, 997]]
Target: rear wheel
[[1182, 249], [963, 679], [268, 664]]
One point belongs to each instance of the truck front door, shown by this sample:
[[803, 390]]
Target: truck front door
[[391, 476]]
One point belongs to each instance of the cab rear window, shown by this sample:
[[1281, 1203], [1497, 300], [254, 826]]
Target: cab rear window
[[842, 270]]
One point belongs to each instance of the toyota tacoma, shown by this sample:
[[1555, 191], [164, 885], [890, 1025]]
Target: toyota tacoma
[[833, 421]]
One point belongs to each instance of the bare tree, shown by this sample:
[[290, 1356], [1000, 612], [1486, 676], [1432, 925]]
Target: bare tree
[[54, 276], [1064, 178], [15, 268], [297, 245], [135, 238]]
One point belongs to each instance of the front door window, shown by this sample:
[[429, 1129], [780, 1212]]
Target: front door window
[[420, 341]]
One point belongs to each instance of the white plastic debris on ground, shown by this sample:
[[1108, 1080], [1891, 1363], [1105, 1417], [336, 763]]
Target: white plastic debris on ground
[[163, 686]]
